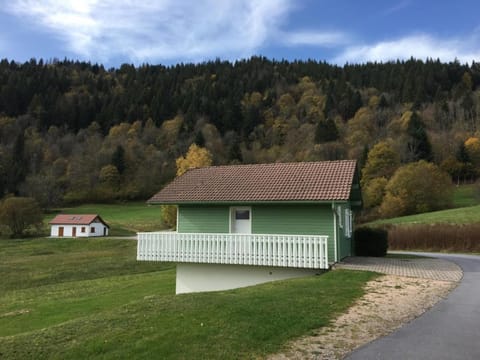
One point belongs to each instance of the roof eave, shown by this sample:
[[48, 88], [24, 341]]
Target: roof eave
[[227, 202]]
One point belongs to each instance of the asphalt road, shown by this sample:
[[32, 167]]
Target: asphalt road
[[450, 330]]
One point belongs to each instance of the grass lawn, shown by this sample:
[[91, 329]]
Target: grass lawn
[[465, 215], [465, 195], [123, 218], [89, 298]]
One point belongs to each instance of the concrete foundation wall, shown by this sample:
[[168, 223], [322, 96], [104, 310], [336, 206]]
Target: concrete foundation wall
[[213, 277]]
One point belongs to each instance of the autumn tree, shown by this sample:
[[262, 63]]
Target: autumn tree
[[196, 157], [460, 166], [373, 192], [311, 103], [286, 106], [416, 188], [109, 182], [360, 131], [169, 132], [382, 161], [472, 149], [18, 214]]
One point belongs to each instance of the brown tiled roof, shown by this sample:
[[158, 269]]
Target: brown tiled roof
[[75, 219], [303, 181]]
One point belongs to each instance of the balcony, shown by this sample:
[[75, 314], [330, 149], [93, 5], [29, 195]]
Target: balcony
[[292, 251]]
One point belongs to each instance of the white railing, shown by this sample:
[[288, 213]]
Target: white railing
[[298, 251]]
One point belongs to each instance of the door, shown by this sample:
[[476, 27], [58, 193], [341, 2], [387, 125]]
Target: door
[[241, 220], [60, 231], [74, 231]]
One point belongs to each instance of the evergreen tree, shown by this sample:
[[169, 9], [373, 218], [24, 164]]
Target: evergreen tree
[[200, 139], [329, 105], [418, 142], [326, 131], [383, 103], [235, 153], [118, 159], [18, 165], [462, 154]]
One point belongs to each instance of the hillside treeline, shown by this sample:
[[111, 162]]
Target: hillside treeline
[[75, 131]]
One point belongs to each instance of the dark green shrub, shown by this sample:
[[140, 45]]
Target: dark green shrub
[[371, 242]]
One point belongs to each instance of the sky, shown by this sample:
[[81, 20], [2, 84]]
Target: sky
[[113, 32]]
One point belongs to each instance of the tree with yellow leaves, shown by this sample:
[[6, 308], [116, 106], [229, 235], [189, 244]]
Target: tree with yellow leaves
[[472, 147], [416, 188], [196, 157], [382, 161]]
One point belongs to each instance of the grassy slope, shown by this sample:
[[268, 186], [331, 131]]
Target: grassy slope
[[465, 195], [90, 299], [123, 218], [466, 215], [36, 262], [466, 211]]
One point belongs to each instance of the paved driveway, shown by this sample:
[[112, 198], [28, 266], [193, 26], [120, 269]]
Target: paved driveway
[[450, 330], [427, 268]]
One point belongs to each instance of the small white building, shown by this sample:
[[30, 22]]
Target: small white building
[[83, 225]]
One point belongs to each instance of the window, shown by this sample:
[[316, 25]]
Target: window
[[242, 214], [92, 229], [83, 229], [340, 220], [348, 222]]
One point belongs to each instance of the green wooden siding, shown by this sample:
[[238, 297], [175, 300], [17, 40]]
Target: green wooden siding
[[295, 219], [203, 219], [301, 219]]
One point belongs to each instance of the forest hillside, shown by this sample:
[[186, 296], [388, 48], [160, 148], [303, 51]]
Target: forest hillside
[[75, 132]]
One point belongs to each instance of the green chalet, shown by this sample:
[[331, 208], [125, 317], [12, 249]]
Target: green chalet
[[241, 225]]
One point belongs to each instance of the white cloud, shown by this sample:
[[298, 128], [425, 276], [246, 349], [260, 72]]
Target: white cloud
[[157, 29], [197, 30], [397, 7], [314, 38], [419, 46]]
